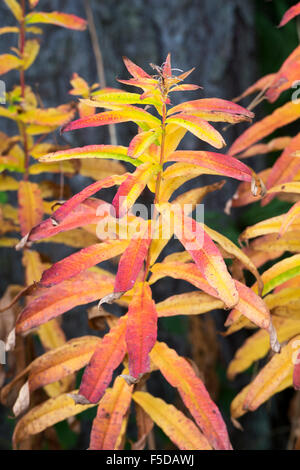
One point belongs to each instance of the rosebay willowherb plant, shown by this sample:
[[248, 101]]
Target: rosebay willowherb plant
[[75, 280]]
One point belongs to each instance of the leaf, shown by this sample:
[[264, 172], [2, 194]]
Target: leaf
[[115, 96], [81, 260], [267, 226], [285, 168], [271, 376], [141, 330], [127, 113], [181, 430], [258, 345], [61, 362], [290, 14], [105, 360], [50, 118], [15, 8], [280, 272], [141, 142], [260, 85], [289, 218], [135, 70], [285, 77], [189, 303], [282, 116], [30, 206], [49, 303], [91, 151], [132, 261], [83, 214], [178, 372], [279, 143], [132, 187], [292, 187], [252, 306], [32, 47], [90, 190], [211, 163], [45, 415], [111, 410], [205, 254], [186, 271], [214, 109], [199, 128], [57, 18], [9, 62], [232, 249]]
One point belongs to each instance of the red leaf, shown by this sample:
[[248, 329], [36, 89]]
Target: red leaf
[[81, 260], [49, 303], [105, 360], [181, 375], [131, 262], [141, 330], [216, 163]]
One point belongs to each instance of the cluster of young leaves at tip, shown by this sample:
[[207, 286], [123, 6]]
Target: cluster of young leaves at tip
[[73, 281], [276, 237], [19, 167]]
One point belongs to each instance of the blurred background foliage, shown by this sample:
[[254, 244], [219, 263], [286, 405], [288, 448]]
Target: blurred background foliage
[[257, 47]]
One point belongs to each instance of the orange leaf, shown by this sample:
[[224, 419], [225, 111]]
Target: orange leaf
[[49, 303], [82, 260], [59, 19], [141, 330], [181, 375], [213, 163], [127, 113], [60, 362], [214, 109], [205, 254], [181, 430], [105, 360], [30, 206], [111, 411], [280, 117]]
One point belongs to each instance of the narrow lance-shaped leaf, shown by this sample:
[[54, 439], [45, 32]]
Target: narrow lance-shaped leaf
[[181, 375], [205, 254], [290, 14], [81, 260], [269, 378], [181, 430], [49, 303], [214, 109], [199, 127], [45, 415], [127, 113], [57, 18], [105, 360], [141, 330], [215, 163], [111, 411], [132, 260], [30, 206], [116, 152], [280, 117]]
